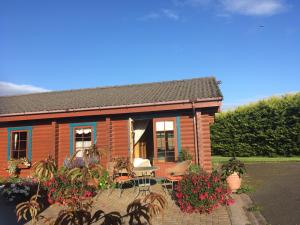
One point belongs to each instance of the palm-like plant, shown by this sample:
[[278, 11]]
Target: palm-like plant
[[29, 208], [45, 169]]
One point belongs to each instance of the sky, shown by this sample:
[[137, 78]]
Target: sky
[[251, 46]]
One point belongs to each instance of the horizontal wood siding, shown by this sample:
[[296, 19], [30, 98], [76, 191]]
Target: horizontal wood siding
[[63, 143], [41, 146], [3, 152], [42, 142], [102, 141], [119, 138], [205, 120], [187, 135]]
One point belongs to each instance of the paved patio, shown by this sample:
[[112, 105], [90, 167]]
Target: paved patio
[[172, 214]]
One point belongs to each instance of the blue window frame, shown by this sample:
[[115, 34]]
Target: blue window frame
[[14, 130], [74, 126]]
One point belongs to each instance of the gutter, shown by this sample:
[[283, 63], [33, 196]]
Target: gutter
[[113, 107]]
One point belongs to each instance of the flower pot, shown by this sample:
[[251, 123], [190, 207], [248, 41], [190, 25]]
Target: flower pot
[[234, 182]]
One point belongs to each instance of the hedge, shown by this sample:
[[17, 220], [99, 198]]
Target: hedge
[[269, 127]]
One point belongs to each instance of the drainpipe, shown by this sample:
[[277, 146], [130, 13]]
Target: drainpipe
[[195, 134]]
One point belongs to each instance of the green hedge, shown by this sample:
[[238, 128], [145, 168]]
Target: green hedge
[[269, 127]]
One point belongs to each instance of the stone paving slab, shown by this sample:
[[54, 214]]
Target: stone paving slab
[[110, 202]]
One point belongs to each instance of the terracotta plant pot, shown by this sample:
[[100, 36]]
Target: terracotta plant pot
[[234, 182]]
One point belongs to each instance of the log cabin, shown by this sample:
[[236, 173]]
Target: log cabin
[[155, 121]]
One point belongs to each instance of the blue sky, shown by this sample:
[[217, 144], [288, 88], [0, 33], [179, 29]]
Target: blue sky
[[252, 46]]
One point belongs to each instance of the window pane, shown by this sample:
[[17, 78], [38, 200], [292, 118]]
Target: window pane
[[170, 144], [160, 126], [170, 156], [19, 144], [78, 136], [83, 140], [23, 136], [87, 144], [160, 140], [169, 125], [160, 154], [23, 145], [79, 144], [170, 134], [15, 154], [22, 154]]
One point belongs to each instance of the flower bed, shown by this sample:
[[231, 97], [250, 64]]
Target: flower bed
[[62, 191], [17, 190], [202, 193]]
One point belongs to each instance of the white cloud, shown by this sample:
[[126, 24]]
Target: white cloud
[[171, 14], [242, 7], [7, 88], [161, 14], [253, 7], [150, 16]]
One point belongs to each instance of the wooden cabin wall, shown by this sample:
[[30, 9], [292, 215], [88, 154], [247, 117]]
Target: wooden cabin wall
[[63, 142], [187, 134], [49, 137], [41, 145], [3, 151], [119, 137], [205, 119]]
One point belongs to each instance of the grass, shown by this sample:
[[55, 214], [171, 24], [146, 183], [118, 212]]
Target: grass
[[257, 159]]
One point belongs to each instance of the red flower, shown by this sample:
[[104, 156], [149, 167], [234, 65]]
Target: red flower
[[230, 201], [203, 196], [179, 195]]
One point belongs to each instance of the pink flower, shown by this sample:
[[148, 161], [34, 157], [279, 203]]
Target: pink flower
[[230, 201], [203, 196], [179, 195]]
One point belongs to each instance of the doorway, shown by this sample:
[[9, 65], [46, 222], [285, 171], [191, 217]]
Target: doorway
[[143, 139]]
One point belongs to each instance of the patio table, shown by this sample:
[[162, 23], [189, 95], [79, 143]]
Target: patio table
[[144, 181]]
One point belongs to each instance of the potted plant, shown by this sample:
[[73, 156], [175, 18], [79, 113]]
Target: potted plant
[[13, 168], [232, 171], [24, 163]]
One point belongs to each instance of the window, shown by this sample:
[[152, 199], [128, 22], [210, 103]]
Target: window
[[83, 140], [165, 141], [19, 145]]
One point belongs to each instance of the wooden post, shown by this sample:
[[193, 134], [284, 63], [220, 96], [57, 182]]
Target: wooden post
[[109, 138], [54, 147]]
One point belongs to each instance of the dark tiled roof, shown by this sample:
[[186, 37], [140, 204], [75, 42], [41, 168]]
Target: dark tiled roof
[[198, 88]]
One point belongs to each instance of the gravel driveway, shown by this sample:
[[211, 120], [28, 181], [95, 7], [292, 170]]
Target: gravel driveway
[[277, 191]]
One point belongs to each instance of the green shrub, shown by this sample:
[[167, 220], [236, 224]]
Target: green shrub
[[185, 155], [194, 168], [269, 127]]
